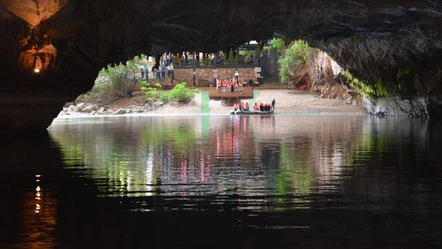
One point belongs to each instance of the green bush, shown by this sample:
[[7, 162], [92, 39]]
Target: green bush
[[165, 96], [152, 94], [181, 93], [115, 81], [248, 55], [144, 85], [111, 83], [158, 86]]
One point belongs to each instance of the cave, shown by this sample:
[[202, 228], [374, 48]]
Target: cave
[[51, 51]]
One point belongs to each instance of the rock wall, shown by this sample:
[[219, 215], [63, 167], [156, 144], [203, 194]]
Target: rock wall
[[322, 75], [398, 106]]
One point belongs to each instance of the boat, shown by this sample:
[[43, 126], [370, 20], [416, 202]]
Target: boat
[[251, 113]]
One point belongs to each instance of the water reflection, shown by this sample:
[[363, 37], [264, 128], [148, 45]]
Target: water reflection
[[272, 162], [252, 156], [28, 205], [291, 158], [267, 182]]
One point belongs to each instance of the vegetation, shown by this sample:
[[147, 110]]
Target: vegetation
[[152, 93], [179, 93], [278, 44], [206, 60], [248, 55], [370, 91], [111, 83], [402, 72], [116, 81], [290, 57], [232, 57], [119, 81], [403, 79], [295, 54]]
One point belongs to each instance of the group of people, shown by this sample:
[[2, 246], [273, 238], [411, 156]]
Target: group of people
[[161, 72], [261, 107], [229, 86]]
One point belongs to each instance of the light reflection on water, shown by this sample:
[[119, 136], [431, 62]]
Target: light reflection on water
[[369, 181], [219, 155]]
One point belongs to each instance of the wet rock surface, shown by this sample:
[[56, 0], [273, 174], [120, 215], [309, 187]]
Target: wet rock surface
[[398, 106]]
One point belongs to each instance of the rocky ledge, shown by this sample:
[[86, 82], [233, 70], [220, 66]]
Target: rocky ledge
[[89, 109], [399, 106]]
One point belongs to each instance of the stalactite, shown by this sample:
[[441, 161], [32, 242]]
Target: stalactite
[[37, 5]]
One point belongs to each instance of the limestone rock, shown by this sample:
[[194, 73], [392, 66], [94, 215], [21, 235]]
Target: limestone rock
[[101, 110], [397, 106], [88, 109], [120, 111]]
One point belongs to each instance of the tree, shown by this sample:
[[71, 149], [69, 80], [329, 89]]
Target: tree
[[295, 54], [279, 45]]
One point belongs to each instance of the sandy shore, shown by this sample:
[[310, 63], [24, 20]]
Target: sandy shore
[[287, 101]]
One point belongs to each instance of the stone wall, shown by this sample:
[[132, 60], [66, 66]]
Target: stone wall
[[205, 76]]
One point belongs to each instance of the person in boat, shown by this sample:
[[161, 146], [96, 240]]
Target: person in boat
[[246, 106], [261, 107], [240, 107], [256, 107], [273, 104]]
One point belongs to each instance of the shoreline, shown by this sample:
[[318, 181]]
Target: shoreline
[[300, 113], [288, 102]]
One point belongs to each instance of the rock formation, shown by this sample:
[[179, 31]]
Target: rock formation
[[51, 50]]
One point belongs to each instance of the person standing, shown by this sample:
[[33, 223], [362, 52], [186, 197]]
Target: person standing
[[218, 85], [172, 73], [273, 104], [142, 72], [146, 72]]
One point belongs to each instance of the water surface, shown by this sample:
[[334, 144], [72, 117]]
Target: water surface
[[201, 181]]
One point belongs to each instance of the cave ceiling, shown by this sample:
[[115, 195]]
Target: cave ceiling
[[390, 34]]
